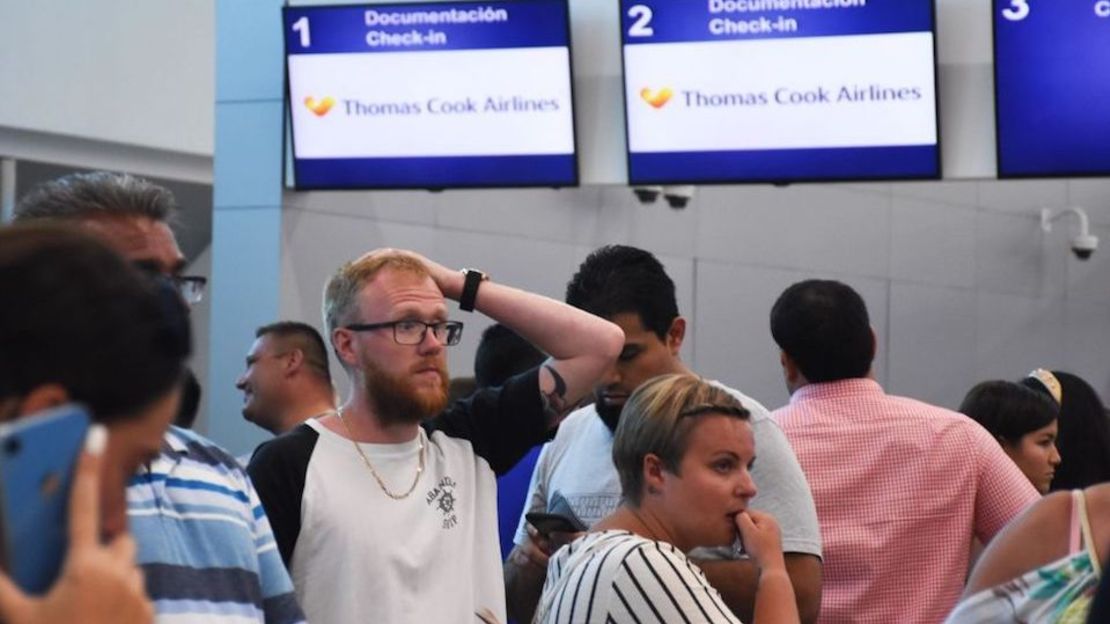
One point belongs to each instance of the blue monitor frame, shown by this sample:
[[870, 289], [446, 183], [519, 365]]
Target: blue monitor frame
[[479, 173], [1039, 169], [828, 162]]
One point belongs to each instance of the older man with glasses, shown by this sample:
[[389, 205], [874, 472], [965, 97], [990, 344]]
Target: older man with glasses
[[381, 514], [204, 542], [130, 214]]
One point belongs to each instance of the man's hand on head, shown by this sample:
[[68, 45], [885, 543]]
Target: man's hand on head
[[449, 281]]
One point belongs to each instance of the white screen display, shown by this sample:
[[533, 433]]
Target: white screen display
[[431, 95], [735, 90]]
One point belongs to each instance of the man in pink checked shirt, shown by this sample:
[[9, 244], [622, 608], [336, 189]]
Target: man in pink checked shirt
[[901, 486]]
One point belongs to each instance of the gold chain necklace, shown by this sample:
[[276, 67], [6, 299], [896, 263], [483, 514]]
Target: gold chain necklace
[[377, 477], [322, 414]]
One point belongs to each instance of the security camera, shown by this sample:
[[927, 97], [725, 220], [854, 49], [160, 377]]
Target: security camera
[[1084, 244], [647, 194], [678, 196]]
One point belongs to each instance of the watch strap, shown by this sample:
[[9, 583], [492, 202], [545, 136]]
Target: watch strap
[[473, 278]]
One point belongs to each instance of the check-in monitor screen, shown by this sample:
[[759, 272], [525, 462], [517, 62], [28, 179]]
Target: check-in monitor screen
[[1052, 87], [779, 90], [431, 95]]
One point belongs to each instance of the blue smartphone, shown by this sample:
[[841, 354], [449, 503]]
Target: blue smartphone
[[38, 454]]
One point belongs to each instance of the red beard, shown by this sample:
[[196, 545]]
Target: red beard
[[397, 400]]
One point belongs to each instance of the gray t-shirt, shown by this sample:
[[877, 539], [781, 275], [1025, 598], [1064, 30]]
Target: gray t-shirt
[[578, 464]]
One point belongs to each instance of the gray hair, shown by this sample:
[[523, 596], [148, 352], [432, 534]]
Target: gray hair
[[97, 194]]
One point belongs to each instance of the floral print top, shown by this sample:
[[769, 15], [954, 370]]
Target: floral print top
[[1058, 593]]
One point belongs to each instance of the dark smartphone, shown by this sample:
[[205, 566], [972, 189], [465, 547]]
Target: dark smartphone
[[38, 454], [548, 523]]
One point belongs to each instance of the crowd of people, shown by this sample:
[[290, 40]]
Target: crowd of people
[[658, 495]]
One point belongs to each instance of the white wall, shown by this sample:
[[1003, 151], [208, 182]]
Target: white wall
[[114, 84], [122, 71], [961, 283]]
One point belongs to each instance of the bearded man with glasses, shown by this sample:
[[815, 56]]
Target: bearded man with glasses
[[385, 511]]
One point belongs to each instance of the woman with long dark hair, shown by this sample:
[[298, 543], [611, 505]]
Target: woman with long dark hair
[[1084, 437]]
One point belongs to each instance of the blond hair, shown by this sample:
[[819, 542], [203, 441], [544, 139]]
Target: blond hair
[[657, 420], [341, 291]]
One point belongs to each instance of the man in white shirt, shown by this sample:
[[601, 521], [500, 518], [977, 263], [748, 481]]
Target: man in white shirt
[[630, 287], [381, 514]]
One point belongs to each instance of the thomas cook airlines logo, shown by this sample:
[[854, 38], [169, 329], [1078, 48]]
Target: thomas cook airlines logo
[[657, 98], [320, 107]]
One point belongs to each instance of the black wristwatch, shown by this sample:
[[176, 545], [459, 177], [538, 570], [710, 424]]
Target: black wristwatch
[[474, 277]]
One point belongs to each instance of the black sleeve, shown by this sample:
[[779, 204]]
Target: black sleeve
[[502, 424], [278, 470]]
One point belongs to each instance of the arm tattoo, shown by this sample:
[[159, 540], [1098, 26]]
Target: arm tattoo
[[555, 400]]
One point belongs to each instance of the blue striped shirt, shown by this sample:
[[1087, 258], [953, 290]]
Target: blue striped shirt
[[205, 545]]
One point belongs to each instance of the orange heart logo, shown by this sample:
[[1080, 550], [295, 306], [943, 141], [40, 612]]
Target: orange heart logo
[[322, 107], [657, 99]]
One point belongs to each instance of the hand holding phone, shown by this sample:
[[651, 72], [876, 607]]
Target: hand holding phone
[[559, 518], [37, 457], [548, 523], [99, 584]]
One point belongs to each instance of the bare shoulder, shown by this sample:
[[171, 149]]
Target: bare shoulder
[[1098, 498], [1098, 509], [1037, 537]]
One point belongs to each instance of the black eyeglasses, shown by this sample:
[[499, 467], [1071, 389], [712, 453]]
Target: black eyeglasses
[[412, 332], [190, 287]]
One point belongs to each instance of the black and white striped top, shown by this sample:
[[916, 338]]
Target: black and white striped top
[[615, 576]]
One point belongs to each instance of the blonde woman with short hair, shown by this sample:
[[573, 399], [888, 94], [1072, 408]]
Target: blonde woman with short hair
[[683, 451]]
